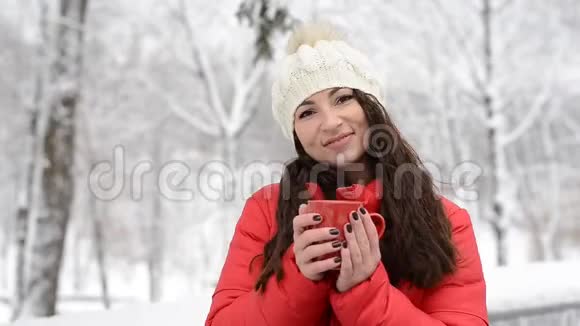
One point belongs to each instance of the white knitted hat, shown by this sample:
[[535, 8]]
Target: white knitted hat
[[318, 59]]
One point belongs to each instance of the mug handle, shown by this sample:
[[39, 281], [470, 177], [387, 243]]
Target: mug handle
[[379, 222]]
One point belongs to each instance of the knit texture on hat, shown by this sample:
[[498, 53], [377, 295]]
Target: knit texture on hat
[[317, 59]]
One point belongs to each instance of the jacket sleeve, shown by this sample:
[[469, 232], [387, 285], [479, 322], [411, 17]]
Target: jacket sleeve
[[459, 300], [294, 300]]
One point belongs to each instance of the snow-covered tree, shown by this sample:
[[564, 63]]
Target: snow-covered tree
[[52, 187]]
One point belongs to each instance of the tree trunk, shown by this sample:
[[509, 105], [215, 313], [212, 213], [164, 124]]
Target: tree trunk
[[21, 230], [25, 193], [230, 191], [156, 229], [550, 230], [497, 160], [155, 262], [57, 178], [77, 254], [22, 216], [99, 243]]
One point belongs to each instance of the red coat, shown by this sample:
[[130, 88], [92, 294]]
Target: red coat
[[459, 300]]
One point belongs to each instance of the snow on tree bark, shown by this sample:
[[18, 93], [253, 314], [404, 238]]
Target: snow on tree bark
[[57, 179], [26, 191]]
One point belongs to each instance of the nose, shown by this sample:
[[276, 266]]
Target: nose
[[331, 120]]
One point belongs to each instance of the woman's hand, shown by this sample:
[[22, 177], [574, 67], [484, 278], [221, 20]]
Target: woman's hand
[[362, 254], [310, 244]]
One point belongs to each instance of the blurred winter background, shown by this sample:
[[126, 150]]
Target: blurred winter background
[[131, 132]]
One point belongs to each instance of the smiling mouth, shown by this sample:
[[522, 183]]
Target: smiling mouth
[[339, 139]]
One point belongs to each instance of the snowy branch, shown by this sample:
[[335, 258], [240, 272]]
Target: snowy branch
[[191, 119], [208, 75], [567, 169], [248, 113], [537, 106], [461, 44], [240, 100], [181, 112], [502, 6], [571, 123], [204, 108]]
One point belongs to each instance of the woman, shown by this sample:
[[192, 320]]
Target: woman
[[425, 270]]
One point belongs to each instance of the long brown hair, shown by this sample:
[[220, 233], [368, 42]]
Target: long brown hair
[[417, 245]]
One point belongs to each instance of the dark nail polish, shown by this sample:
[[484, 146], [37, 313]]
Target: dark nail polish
[[334, 232], [336, 244], [337, 259], [355, 216], [363, 210], [317, 218], [344, 244], [349, 228]]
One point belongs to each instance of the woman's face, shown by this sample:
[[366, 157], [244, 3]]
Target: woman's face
[[331, 123]]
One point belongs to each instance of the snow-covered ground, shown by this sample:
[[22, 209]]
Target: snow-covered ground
[[514, 288], [188, 312], [530, 286]]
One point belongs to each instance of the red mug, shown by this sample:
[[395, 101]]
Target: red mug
[[335, 213]]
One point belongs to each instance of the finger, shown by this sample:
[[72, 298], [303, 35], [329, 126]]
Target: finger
[[317, 250], [302, 221], [297, 229], [313, 236], [355, 254], [371, 231], [361, 235], [301, 209], [322, 266], [346, 268]]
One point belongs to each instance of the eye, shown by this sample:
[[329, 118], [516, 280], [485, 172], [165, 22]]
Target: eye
[[343, 99], [305, 114]]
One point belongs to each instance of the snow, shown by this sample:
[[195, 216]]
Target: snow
[[532, 286], [186, 312], [514, 288], [145, 56]]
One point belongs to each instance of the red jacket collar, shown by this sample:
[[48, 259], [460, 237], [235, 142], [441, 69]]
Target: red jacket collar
[[370, 194]]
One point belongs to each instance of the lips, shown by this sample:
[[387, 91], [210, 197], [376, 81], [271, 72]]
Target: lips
[[337, 138]]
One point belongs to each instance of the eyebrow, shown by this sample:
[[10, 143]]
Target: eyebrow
[[332, 92]]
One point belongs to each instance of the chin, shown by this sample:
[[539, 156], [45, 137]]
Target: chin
[[349, 156]]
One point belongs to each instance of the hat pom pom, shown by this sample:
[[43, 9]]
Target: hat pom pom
[[310, 33]]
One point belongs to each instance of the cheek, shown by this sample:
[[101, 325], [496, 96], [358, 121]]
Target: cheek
[[361, 127], [359, 140], [307, 135], [362, 133], [357, 147]]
